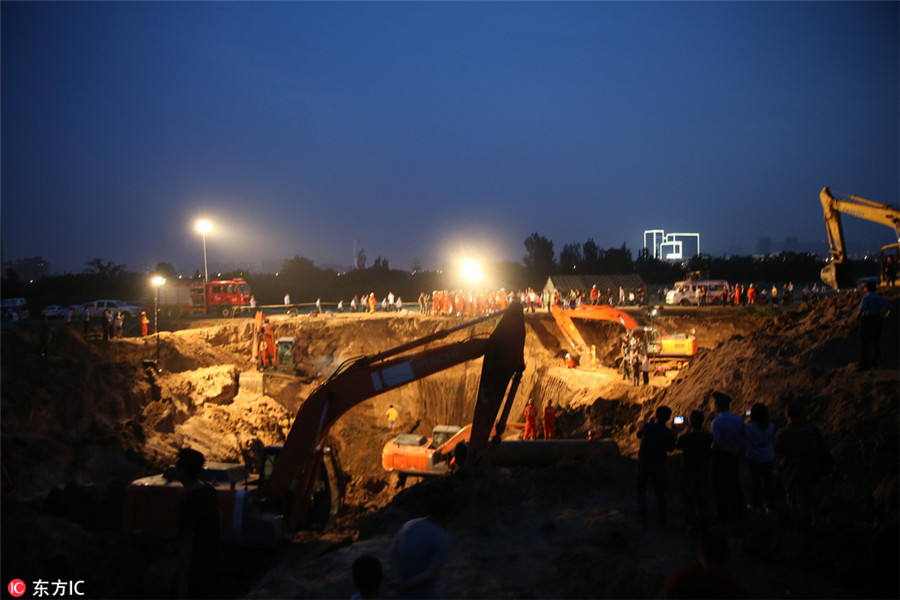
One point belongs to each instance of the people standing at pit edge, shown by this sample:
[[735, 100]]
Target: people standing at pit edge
[[759, 434], [530, 420], [145, 323], [696, 447], [728, 431], [392, 416], [657, 440], [872, 312], [549, 420]]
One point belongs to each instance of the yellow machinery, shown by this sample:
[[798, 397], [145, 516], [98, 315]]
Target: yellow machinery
[[838, 273], [651, 342]]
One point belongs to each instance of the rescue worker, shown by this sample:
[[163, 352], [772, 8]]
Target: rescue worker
[[392, 416], [549, 419], [145, 323], [372, 302], [751, 294], [268, 354], [570, 362], [530, 420], [594, 362]]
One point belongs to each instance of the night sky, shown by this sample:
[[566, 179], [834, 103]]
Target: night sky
[[426, 131]]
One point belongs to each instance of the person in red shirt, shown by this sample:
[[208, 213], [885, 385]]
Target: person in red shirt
[[549, 420], [145, 323], [530, 420]]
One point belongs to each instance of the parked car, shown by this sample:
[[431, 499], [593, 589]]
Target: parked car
[[54, 311], [14, 309], [97, 307]]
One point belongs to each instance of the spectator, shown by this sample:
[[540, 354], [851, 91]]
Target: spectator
[[804, 460], [727, 430], [760, 437], [421, 549], [198, 522], [657, 440], [871, 314], [695, 446], [367, 577]]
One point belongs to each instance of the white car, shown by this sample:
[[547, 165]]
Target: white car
[[97, 307], [55, 311]]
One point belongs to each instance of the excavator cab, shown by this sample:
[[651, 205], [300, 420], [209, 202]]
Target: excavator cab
[[648, 340], [285, 355]]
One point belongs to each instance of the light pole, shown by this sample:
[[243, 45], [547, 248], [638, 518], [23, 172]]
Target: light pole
[[158, 282], [204, 227]]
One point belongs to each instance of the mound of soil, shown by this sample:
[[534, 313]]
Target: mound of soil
[[81, 422]]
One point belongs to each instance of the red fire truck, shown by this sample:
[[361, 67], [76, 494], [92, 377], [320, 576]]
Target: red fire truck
[[224, 297]]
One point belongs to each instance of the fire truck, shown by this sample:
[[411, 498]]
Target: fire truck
[[224, 297]]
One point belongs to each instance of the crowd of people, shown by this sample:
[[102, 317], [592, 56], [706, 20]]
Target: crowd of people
[[711, 473]]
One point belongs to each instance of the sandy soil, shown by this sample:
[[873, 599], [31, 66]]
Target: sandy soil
[[79, 424]]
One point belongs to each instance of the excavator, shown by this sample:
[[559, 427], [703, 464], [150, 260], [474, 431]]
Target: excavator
[[297, 483], [838, 273], [651, 342]]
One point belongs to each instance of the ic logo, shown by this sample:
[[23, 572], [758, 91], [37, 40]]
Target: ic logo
[[16, 588]]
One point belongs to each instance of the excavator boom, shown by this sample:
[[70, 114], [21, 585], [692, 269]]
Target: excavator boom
[[837, 274], [293, 477]]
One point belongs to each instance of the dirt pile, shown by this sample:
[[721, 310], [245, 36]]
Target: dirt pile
[[83, 421]]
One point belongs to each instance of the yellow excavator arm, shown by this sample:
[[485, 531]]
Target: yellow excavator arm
[[837, 273]]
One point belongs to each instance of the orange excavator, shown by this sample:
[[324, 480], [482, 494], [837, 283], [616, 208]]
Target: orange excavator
[[297, 481], [649, 339]]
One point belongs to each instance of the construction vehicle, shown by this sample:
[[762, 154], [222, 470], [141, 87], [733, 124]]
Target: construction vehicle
[[838, 272], [296, 482], [649, 340], [223, 297]]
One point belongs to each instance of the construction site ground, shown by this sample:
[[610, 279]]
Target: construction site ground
[[83, 421]]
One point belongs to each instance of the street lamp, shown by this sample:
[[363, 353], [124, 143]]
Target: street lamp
[[204, 227], [158, 282]]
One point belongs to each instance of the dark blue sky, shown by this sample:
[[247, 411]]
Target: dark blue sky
[[427, 130]]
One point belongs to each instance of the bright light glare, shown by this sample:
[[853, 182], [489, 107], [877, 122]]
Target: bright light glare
[[204, 226], [158, 281], [471, 270]]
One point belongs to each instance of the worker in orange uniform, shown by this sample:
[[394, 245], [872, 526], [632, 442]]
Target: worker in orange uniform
[[268, 353], [549, 420], [570, 362], [372, 302], [751, 294], [530, 420], [145, 323]]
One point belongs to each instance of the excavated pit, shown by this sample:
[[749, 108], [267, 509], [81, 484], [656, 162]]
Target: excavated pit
[[83, 421]]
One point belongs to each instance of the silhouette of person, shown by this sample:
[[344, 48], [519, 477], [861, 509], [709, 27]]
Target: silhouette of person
[[804, 459], [727, 430], [657, 440], [760, 436], [198, 522], [367, 577], [871, 314], [696, 447], [421, 548]]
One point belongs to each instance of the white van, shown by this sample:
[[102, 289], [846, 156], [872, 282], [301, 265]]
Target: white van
[[685, 293], [14, 309]]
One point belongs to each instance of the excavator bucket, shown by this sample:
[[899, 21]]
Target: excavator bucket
[[838, 275]]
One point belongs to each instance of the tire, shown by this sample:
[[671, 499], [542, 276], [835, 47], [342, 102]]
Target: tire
[[292, 312], [685, 302], [225, 311]]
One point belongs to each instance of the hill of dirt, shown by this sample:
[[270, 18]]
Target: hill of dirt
[[81, 422]]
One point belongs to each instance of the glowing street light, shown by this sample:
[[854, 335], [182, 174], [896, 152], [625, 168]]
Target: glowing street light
[[471, 270], [158, 282], [204, 227]]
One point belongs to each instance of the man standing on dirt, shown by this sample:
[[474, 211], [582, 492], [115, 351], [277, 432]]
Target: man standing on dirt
[[392, 416], [804, 460], [727, 429], [421, 549], [198, 522], [873, 309]]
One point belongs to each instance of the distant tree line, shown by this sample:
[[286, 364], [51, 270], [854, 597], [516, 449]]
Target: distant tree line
[[305, 282]]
